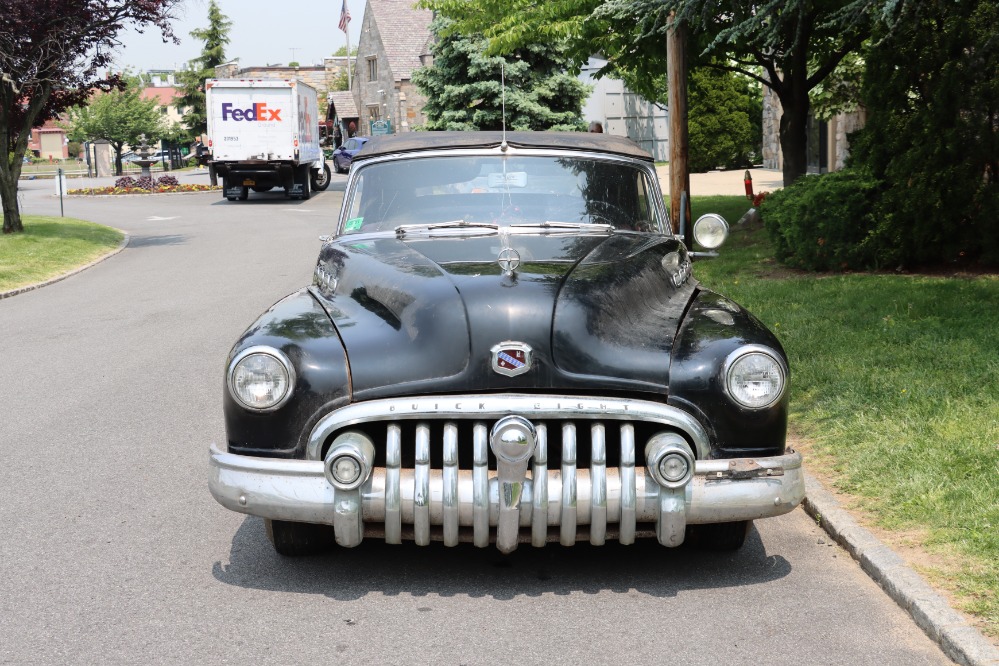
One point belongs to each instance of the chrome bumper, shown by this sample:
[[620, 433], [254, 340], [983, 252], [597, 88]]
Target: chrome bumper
[[453, 505]]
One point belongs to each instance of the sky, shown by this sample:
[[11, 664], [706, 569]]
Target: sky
[[263, 32]]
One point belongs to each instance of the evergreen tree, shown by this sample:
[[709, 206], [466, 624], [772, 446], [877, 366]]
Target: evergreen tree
[[192, 80], [464, 89], [932, 137], [725, 118]]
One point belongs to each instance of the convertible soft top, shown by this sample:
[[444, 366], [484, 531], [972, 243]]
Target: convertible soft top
[[418, 141]]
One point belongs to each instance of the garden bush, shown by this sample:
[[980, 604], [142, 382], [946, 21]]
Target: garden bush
[[145, 183], [125, 182], [167, 181], [825, 223]]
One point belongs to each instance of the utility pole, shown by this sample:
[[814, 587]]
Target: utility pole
[[679, 176]]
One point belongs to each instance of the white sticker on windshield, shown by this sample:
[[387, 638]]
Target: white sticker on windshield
[[511, 179]]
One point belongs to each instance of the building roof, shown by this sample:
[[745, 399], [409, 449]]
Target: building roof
[[405, 34], [342, 102], [164, 95], [583, 141]]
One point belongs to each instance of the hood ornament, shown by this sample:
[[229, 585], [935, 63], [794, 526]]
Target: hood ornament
[[512, 358], [508, 260]]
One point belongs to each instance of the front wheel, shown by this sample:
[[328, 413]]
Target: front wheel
[[719, 536], [321, 178], [297, 539]]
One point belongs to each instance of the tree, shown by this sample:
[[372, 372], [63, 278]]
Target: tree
[[725, 118], [119, 117], [50, 55], [192, 80], [464, 90], [789, 45], [932, 135]]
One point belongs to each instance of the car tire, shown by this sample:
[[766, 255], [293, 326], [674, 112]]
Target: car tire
[[321, 178], [298, 539], [719, 537]]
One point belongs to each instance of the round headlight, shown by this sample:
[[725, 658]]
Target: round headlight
[[261, 378], [710, 231], [754, 379], [345, 469]]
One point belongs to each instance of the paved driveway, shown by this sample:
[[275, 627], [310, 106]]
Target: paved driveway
[[113, 551]]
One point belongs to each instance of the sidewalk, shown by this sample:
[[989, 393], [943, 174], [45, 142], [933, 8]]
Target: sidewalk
[[726, 182]]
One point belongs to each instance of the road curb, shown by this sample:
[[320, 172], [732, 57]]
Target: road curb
[[949, 629], [78, 269]]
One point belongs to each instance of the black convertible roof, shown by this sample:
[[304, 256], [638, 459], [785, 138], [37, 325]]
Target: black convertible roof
[[389, 144]]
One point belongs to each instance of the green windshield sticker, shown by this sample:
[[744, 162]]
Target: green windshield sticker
[[353, 224]]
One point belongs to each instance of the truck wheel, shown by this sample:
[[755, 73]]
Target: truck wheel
[[296, 539], [321, 178], [719, 536]]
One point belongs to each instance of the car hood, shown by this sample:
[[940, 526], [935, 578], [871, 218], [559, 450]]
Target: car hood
[[422, 314]]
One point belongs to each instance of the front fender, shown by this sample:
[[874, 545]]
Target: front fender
[[298, 326], [713, 328]]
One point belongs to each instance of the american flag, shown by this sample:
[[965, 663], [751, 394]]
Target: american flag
[[344, 16]]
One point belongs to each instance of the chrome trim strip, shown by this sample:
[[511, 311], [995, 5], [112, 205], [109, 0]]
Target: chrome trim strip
[[598, 476], [567, 533], [626, 523], [480, 485], [533, 407], [421, 487], [450, 489], [539, 496], [393, 493]]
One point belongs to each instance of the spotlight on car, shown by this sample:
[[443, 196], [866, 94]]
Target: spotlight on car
[[710, 231], [349, 461], [669, 460]]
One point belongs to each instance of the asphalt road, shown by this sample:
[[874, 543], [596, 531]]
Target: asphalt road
[[113, 551]]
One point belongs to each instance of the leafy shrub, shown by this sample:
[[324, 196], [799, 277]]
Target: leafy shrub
[[167, 181], [725, 120], [145, 183], [825, 223], [125, 182]]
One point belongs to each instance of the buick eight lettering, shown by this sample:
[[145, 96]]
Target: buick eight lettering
[[504, 343]]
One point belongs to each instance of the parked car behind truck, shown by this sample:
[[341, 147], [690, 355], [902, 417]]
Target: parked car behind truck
[[264, 134]]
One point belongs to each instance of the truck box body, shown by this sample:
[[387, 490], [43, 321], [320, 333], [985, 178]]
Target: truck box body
[[263, 134]]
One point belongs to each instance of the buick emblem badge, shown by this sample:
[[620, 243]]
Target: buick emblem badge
[[512, 358], [508, 260]]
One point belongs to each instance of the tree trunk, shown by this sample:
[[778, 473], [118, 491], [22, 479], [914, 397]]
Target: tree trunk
[[794, 125], [9, 173]]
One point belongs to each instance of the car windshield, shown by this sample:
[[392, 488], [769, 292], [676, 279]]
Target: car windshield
[[540, 194]]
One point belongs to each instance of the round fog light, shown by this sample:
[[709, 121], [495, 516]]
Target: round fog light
[[345, 470], [673, 467]]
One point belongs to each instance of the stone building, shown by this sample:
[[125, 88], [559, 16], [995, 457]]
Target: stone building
[[321, 77], [395, 40], [828, 146]]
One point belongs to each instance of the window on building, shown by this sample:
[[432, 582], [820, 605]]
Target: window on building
[[372, 69], [373, 113]]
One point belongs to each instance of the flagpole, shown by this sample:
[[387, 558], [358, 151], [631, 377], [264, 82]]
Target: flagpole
[[346, 34]]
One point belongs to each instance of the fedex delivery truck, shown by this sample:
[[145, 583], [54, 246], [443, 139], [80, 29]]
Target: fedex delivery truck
[[265, 134]]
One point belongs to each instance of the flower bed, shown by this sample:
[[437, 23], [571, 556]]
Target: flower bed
[[144, 185]]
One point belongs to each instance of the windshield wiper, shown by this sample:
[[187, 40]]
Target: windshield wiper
[[403, 229], [574, 226]]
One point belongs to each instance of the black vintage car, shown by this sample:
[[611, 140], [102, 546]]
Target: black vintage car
[[503, 343]]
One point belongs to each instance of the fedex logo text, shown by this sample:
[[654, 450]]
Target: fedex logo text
[[258, 111]]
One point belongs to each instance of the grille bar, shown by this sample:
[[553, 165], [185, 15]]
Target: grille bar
[[568, 527], [598, 475], [393, 497], [626, 525], [450, 490], [539, 499], [421, 487]]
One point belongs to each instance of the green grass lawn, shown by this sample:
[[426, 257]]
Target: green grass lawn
[[49, 247], [895, 392]]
